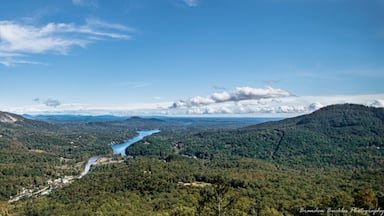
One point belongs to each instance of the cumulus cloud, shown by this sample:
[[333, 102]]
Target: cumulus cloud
[[267, 102], [377, 103], [245, 109], [240, 94], [18, 41], [269, 107], [229, 109], [48, 102], [315, 106]]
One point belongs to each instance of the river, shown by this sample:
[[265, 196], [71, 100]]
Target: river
[[119, 148], [58, 183]]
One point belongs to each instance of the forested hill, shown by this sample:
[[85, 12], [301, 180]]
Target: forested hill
[[357, 124], [330, 159], [145, 123], [334, 117], [9, 118], [337, 135], [344, 135]]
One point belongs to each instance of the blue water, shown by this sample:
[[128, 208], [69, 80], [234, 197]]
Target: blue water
[[120, 148]]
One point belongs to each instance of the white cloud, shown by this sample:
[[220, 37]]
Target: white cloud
[[315, 106], [240, 94], [198, 101], [284, 107], [291, 109], [91, 22], [191, 3], [248, 93], [19, 41], [12, 61], [221, 97], [377, 103]]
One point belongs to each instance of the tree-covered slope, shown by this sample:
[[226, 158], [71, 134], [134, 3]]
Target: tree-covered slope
[[19, 165], [346, 134], [32, 152], [184, 186], [332, 158], [340, 135], [337, 120]]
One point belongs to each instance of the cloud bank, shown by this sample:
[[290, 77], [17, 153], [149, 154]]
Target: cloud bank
[[264, 102], [18, 41], [271, 107], [240, 94]]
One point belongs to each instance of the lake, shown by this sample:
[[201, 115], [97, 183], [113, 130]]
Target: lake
[[120, 148]]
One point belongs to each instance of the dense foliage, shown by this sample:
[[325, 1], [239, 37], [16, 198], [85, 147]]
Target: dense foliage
[[182, 186], [347, 136], [330, 160], [32, 152]]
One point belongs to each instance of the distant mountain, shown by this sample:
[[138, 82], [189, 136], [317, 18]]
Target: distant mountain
[[144, 123], [341, 122], [74, 118], [339, 135], [140, 119], [23, 124], [334, 117]]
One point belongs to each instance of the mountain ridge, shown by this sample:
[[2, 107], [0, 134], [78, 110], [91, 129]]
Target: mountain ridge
[[6, 117], [333, 112], [346, 135]]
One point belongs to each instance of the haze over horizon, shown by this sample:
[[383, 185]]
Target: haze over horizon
[[190, 57]]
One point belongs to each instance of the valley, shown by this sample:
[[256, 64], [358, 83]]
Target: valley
[[330, 159]]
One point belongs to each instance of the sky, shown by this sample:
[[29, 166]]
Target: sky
[[190, 57]]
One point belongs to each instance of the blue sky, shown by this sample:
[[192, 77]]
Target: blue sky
[[190, 57]]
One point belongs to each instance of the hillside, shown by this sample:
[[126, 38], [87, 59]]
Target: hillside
[[338, 117], [346, 134], [32, 152], [9, 118], [332, 158], [19, 166], [339, 135]]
